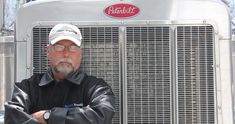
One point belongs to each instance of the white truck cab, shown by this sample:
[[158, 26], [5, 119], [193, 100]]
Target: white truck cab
[[168, 61]]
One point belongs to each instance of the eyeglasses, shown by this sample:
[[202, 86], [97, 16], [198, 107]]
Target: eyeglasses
[[61, 48]]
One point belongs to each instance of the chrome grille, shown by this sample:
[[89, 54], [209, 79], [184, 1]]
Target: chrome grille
[[100, 56], [169, 77], [148, 75], [40, 41], [195, 75]]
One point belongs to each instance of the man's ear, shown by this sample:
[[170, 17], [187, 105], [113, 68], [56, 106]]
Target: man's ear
[[46, 49], [81, 52]]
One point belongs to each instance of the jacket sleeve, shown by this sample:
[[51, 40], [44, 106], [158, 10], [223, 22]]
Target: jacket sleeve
[[100, 109], [16, 110]]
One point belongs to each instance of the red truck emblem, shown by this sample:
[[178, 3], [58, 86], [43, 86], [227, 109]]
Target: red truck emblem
[[122, 10]]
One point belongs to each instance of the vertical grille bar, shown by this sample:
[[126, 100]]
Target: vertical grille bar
[[100, 56], [195, 75], [148, 75]]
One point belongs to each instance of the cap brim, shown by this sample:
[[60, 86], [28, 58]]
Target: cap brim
[[57, 39]]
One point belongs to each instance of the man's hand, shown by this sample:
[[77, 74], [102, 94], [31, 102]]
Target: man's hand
[[39, 116]]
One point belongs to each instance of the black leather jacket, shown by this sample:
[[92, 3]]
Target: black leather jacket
[[78, 99]]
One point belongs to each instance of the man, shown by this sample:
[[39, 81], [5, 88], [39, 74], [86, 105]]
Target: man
[[63, 95]]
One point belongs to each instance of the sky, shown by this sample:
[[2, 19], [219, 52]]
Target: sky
[[231, 6], [11, 7]]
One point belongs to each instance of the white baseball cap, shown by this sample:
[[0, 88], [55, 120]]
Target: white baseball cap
[[65, 32]]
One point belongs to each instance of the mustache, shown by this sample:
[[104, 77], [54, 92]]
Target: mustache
[[67, 60]]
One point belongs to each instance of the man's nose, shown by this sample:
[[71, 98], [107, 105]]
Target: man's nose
[[66, 51]]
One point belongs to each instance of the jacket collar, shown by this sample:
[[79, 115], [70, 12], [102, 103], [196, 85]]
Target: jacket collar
[[75, 77]]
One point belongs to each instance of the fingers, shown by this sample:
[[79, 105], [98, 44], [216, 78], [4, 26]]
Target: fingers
[[39, 116]]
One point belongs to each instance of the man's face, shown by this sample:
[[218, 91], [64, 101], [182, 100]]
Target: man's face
[[64, 57]]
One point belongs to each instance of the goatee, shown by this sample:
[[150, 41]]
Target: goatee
[[64, 69]]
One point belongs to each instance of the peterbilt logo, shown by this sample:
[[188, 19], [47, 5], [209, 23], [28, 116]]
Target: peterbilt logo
[[122, 10]]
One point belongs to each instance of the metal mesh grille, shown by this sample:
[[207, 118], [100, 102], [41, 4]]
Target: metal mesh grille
[[148, 71], [195, 75], [148, 75], [40, 41], [100, 56]]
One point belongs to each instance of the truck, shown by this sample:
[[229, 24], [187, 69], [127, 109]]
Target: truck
[[167, 61]]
